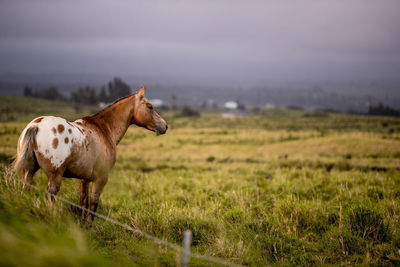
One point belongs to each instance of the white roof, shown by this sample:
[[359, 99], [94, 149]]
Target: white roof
[[156, 102], [231, 105]]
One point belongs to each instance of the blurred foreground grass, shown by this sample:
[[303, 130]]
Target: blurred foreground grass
[[278, 188]]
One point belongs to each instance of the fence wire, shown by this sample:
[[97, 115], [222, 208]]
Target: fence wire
[[157, 240]]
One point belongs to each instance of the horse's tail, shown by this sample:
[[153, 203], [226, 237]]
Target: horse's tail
[[25, 148]]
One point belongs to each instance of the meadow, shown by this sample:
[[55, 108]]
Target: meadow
[[283, 187]]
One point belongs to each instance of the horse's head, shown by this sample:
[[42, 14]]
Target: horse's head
[[146, 116]]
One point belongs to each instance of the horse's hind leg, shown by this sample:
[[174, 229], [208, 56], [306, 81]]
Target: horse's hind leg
[[97, 188], [53, 184], [29, 167], [28, 178], [84, 196]]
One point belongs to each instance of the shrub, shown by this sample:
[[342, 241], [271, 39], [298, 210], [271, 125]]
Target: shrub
[[188, 112], [348, 156], [341, 242], [280, 247], [343, 165], [210, 159], [368, 224]]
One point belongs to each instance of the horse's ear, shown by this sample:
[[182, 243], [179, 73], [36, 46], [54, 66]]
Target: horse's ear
[[141, 92]]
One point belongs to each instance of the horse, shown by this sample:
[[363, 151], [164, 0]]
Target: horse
[[83, 149]]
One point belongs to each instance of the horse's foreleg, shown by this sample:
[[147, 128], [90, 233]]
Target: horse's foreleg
[[97, 188], [83, 193], [53, 184]]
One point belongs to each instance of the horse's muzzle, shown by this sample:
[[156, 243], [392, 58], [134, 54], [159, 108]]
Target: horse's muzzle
[[161, 128]]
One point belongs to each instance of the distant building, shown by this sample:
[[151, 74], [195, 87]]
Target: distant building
[[157, 103], [269, 106], [209, 104], [234, 110], [102, 105], [231, 105]]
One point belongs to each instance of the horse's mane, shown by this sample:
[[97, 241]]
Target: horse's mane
[[115, 102]]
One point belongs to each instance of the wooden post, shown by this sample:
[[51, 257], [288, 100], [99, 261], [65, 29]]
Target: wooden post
[[187, 240]]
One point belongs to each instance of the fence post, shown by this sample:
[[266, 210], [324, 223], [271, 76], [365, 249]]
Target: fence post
[[187, 240]]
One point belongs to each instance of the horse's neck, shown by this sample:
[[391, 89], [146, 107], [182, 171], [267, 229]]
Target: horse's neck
[[115, 120]]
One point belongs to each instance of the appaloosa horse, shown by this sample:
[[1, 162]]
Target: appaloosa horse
[[85, 148]]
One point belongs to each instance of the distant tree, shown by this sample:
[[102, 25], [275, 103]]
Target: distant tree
[[382, 110], [50, 93], [117, 88], [241, 106], [188, 112], [102, 97], [256, 110], [85, 95], [294, 107], [77, 108], [173, 106], [28, 91]]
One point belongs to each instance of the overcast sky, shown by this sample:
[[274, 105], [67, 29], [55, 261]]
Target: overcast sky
[[230, 41]]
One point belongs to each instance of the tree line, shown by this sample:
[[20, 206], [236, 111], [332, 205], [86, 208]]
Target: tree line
[[114, 89], [382, 110]]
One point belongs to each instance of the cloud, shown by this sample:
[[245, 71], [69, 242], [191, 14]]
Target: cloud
[[254, 39]]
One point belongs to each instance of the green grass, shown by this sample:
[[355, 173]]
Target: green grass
[[277, 189]]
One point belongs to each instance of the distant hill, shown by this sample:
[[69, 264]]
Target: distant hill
[[335, 96]]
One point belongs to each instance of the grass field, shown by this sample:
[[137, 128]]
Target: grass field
[[274, 189]]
